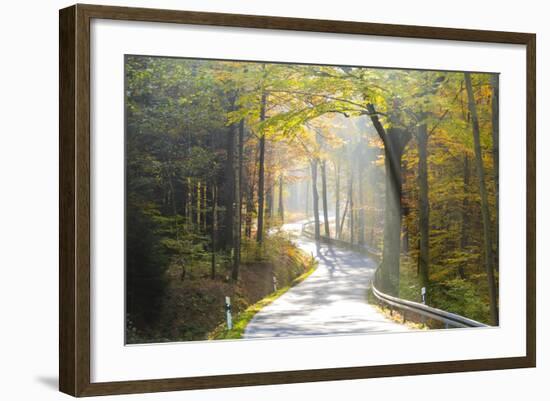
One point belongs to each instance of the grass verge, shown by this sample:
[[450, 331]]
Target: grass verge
[[242, 319], [394, 314]]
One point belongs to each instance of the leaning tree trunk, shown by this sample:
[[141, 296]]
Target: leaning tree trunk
[[423, 204], [343, 219], [260, 228], [314, 164], [325, 200], [395, 140], [488, 251]]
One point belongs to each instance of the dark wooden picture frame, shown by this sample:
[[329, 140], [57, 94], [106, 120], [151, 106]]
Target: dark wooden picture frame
[[74, 206]]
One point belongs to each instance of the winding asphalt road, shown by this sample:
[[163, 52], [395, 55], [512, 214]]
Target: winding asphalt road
[[330, 301]]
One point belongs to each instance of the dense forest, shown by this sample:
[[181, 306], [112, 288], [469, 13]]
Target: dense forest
[[220, 154]]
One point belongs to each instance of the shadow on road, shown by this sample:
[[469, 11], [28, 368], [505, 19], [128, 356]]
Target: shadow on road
[[329, 302]]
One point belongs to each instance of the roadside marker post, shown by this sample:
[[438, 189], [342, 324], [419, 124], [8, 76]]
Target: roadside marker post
[[228, 313], [423, 292]]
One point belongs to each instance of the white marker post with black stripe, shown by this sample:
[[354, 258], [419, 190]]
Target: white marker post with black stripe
[[228, 313]]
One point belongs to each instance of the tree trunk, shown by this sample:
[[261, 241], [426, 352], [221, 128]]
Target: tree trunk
[[392, 226], [361, 209], [343, 217], [269, 201], [350, 198], [307, 199], [488, 252], [174, 207], [395, 140], [496, 132], [281, 208], [198, 200], [423, 204], [372, 209], [465, 208], [337, 200], [190, 202], [184, 198], [226, 242], [238, 209], [260, 228], [314, 164], [213, 232], [249, 211], [325, 196], [204, 205]]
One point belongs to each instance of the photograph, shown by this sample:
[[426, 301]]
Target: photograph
[[275, 200]]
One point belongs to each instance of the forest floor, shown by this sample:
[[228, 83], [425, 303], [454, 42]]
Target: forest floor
[[331, 301], [193, 309], [243, 318]]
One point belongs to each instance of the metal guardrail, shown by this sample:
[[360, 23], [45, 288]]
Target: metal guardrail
[[448, 318]]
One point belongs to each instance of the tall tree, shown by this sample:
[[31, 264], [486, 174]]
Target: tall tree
[[351, 224], [337, 200], [423, 203], [395, 139], [229, 190], [315, 194], [361, 192], [249, 211], [214, 231], [488, 251], [465, 219], [281, 208], [325, 197], [307, 198], [495, 118], [239, 207], [269, 198], [261, 177]]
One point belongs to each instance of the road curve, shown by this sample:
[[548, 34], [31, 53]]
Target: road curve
[[330, 301]]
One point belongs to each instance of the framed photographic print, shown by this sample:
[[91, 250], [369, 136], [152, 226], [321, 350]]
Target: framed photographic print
[[250, 200]]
